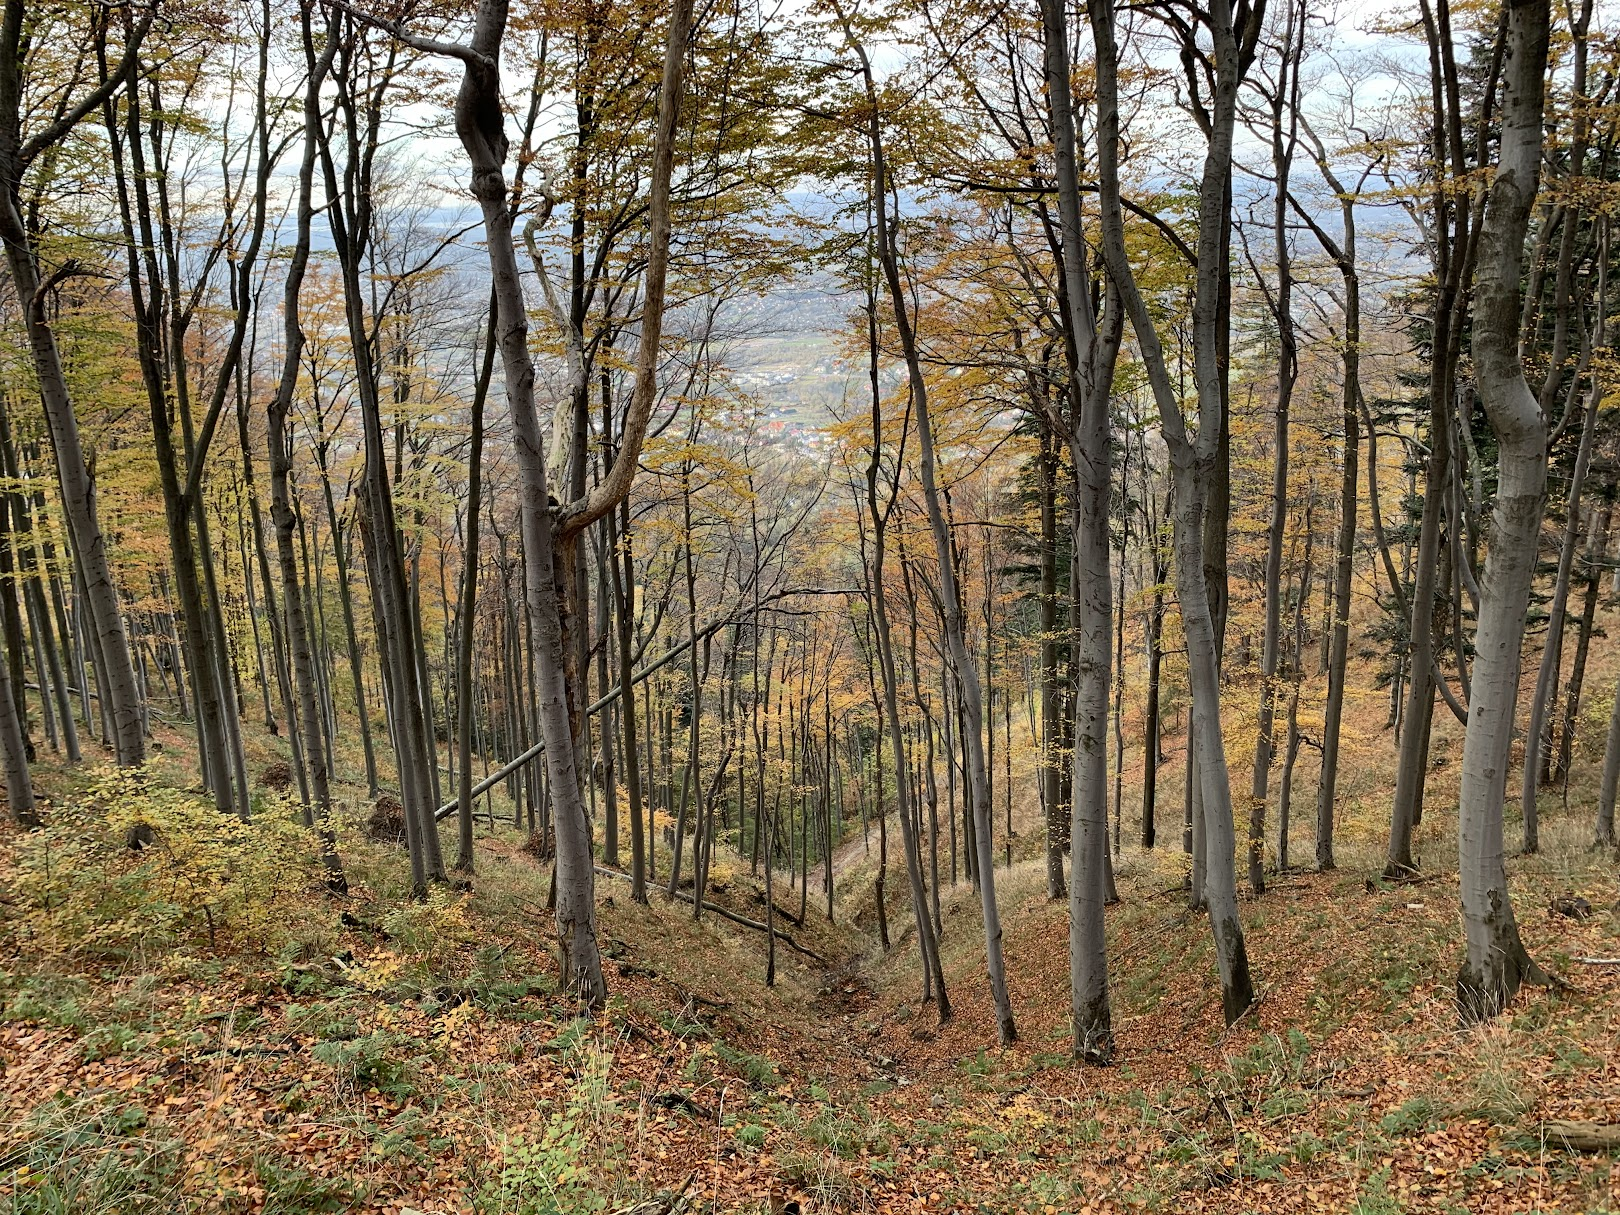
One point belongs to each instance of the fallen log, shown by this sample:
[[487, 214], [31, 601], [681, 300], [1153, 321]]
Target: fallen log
[[687, 997], [755, 924], [1582, 1136], [534, 752], [790, 916], [686, 896]]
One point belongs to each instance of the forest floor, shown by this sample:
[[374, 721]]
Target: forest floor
[[375, 1054]]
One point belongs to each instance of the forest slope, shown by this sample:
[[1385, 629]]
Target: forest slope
[[380, 1054]]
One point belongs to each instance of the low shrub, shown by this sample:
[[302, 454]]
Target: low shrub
[[131, 867], [560, 1169]]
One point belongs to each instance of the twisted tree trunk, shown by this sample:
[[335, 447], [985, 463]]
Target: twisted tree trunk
[[548, 533]]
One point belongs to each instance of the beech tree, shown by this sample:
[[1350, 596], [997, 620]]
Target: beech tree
[[19, 786], [1193, 457], [279, 438], [1496, 961], [1092, 344], [20, 148], [963, 669], [548, 534]]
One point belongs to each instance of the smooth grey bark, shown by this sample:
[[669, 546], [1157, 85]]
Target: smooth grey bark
[[1192, 460], [1345, 256], [608, 730], [99, 724], [350, 216], [1118, 691], [1296, 677], [1056, 825], [1496, 961], [947, 713], [54, 703], [548, 535], [11, 615], [424, 685], [928, 931], [690, 786], [72, 655], [314, 596], [1090, 884], [1537, 738], [1566, 299], [1092, 343], [278, 644], [467, 608], [1284, 104], [33, 567], [146, 295], [357, 672], [166, 369], [624, 594], [930, 789], [1455, 227], [1596, 543], [1417, 715], [14, 755], [1152, 757], [254, 611], [47, 702]]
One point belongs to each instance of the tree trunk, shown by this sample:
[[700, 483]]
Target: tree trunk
[[624, 598], [115, 673], [1091, 355], [1152, 757], [34, 564], [1284, 103], [10, 614], [927, 930], [349, 215], [467, 609], [357, 672], [282, 515], [1597, 541], [480, 123], [1537, 739], [14, 755], [146, 287], [1417, 715], [1056, 887], [607, 725], [973, 716], [1496, 961], [1344, 556], [1193, 463]]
